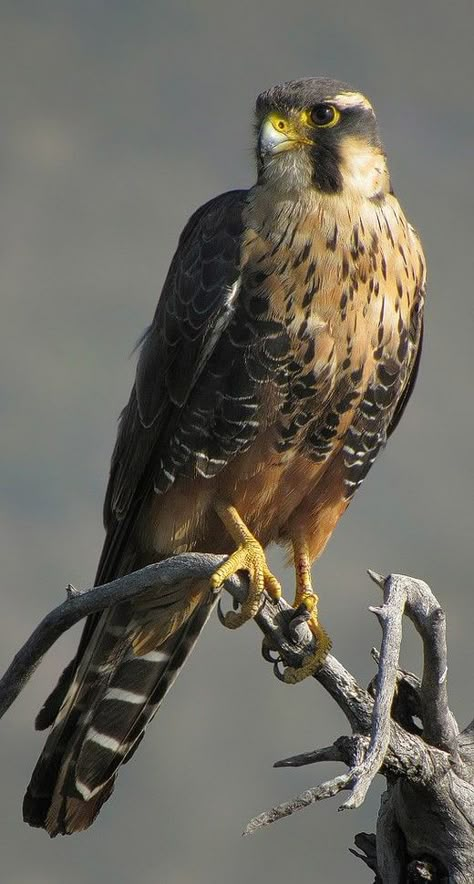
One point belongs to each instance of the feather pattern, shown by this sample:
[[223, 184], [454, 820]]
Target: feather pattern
[[116, 649], [282, 353]]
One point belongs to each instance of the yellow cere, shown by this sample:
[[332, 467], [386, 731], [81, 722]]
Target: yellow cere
[[279, 123], [290, 128]]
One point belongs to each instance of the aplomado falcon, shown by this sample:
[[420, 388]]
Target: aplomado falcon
[[282, 353]]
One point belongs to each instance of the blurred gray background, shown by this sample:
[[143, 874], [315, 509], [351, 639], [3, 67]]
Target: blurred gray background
[[117, 120]]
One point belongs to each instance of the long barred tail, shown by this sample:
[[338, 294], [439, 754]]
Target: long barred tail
[[119, 685]]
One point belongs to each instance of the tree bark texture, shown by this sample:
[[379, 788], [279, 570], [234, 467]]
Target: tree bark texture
[[401, 726]]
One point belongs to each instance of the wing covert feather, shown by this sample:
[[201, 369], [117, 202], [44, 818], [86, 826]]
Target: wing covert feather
[[194, 308]]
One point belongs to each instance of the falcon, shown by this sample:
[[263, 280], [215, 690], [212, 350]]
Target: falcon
[[282, 353]]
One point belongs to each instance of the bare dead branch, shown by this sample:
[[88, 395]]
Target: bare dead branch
[[80, 603], [305, 799], [425, 828], [329, 753], [424, 611], [274, 619]]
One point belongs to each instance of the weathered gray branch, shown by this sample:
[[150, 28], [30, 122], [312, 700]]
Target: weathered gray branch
[[425, 828], [80, 603]]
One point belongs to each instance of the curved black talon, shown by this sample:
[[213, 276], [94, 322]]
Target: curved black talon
[[300, 617], [220, 613], [279, 673], [268, 651]]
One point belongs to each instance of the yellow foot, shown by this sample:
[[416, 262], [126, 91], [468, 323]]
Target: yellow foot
[[248, 557], [305, 598], [312, 662]]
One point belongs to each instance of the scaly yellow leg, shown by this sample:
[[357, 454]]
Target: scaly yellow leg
[[304, 595], [249, 556]]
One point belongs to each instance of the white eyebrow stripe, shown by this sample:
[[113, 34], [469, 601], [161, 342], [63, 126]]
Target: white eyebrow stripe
[[351, 99]]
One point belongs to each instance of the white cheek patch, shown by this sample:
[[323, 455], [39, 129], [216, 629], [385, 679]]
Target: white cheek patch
[[363, 168]]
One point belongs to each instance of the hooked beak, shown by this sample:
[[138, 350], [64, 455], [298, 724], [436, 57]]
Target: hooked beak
[[277, 135]]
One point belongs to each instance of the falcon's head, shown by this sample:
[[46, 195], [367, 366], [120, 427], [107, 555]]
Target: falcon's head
[[319, 134]]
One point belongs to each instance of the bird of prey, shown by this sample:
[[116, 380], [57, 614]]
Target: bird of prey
[[282, 353]]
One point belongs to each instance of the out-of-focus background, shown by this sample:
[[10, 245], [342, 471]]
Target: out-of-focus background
[[117, 120]]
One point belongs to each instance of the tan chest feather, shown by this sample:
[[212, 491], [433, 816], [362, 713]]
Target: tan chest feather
[[343, 277], [343, 284]]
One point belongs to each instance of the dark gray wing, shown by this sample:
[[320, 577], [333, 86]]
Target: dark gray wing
[[416, 338], [75, 772], [194, 307], [384, 401]]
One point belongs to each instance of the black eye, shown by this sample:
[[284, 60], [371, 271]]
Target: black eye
[[324, 114]]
